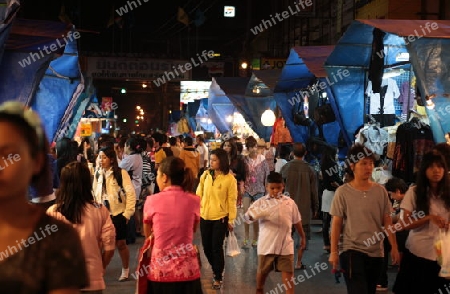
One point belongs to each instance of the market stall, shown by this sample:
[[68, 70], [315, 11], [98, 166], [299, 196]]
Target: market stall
[[397, 70]]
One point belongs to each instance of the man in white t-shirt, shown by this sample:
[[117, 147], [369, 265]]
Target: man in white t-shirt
[[203, 151]]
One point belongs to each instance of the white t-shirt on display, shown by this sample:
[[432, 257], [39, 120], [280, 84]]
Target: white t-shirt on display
[[392, 93]]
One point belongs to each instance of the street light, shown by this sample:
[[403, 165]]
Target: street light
[[138, 107], [244, 65]]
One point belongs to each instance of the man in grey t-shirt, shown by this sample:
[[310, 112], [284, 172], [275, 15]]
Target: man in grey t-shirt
[[364, 207]]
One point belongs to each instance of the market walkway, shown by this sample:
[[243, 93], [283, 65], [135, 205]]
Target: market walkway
[[240, 272]]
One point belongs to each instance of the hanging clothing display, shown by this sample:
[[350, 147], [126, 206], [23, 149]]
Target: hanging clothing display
[[373, 137], [392, 92], [183, 126], [406, 98], [280, 133], [413, 140]]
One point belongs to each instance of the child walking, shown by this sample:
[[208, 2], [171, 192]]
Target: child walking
[[276, 214]]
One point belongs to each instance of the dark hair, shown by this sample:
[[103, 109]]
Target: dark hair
[[180, 175], [181, 137], [189, 141], [233, 152], [173, 141], [250, 142], [111, 154], [299, 149], [394, 184], [75, 191], [37, 145], [81, 146], [274, 178], [354, 156], [105, 140], [444, 149], [158, 137], [328, 156], [224, 165], [201, 138], [239, 146], [422, 182], [285, 151], [122, 142], [65, 150], [150, 142], [134, 144]]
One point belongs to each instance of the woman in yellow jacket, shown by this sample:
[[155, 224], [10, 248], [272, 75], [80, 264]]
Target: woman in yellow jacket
[[218, 193]]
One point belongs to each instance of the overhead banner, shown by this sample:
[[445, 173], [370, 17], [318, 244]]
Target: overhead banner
[[138, 68]]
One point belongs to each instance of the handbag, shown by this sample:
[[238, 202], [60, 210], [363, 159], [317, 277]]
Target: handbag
[[299, 117], [143, 268], [324, 113]]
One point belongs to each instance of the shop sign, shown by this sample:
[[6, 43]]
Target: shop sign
[[272, 63], [85, 129], [134, 68], [194, 90]]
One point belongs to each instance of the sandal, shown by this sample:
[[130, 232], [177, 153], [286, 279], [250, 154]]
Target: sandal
[[301, 267], [216, 285]]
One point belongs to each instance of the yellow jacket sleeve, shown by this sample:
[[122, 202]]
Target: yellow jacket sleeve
[[232, 197]]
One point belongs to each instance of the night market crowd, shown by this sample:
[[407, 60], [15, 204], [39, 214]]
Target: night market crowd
[[65, 207]]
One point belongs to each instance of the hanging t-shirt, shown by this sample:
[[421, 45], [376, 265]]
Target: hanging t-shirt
[[392, 93]]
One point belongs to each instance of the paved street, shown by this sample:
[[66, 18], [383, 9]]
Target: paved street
[[240, 272]]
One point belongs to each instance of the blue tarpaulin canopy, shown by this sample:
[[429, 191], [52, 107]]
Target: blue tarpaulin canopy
[[40, 68], [304, 67], [250, 103], [428, 45], [219, 108]]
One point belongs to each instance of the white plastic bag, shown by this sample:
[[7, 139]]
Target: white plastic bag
[[441, 245], [232, 245]]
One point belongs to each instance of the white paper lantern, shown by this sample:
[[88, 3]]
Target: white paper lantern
[[268, 118]]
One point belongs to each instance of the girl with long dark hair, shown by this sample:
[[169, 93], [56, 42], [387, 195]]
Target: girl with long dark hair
[[75, 205], [218, 192], [173, 215], [237, 166], [113, 188], [425, 210]]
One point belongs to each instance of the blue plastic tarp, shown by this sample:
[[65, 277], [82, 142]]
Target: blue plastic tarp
[[58, 94], [428, 45], [303, 67], [219, 108], [8, 9]]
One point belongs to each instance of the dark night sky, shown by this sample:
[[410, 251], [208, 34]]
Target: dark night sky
[[153, 28]]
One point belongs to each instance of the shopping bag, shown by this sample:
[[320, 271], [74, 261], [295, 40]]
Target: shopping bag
[[232, 245], [143, 268], [442, 247]]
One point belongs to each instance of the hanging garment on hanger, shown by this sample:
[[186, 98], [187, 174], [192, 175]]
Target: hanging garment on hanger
[[377, 139]]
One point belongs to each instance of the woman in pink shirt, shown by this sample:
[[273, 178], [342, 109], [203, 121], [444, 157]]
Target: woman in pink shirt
[[75, 205], [173, 215]]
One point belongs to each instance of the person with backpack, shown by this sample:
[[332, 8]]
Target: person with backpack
[[132, 163], [113, 188]]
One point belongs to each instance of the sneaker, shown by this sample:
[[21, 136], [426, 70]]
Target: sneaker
[[217, 285], [255, 243], [382, 288], [124, 276], [246, 241]]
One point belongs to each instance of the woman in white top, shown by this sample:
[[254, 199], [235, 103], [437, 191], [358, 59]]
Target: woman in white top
[[75, 205], [425, 210]]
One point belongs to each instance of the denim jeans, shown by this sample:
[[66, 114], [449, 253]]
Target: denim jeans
[[361, 272]]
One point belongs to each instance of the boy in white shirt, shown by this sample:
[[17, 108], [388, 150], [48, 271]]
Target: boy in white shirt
[[276, 214]]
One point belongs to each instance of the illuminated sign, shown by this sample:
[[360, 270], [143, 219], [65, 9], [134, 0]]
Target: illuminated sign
[[193, 90], [229, 11]]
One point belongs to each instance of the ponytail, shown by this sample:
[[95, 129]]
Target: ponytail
[[188, 180]]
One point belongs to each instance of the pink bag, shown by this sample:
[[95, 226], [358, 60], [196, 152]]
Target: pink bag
[[143, 267]]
